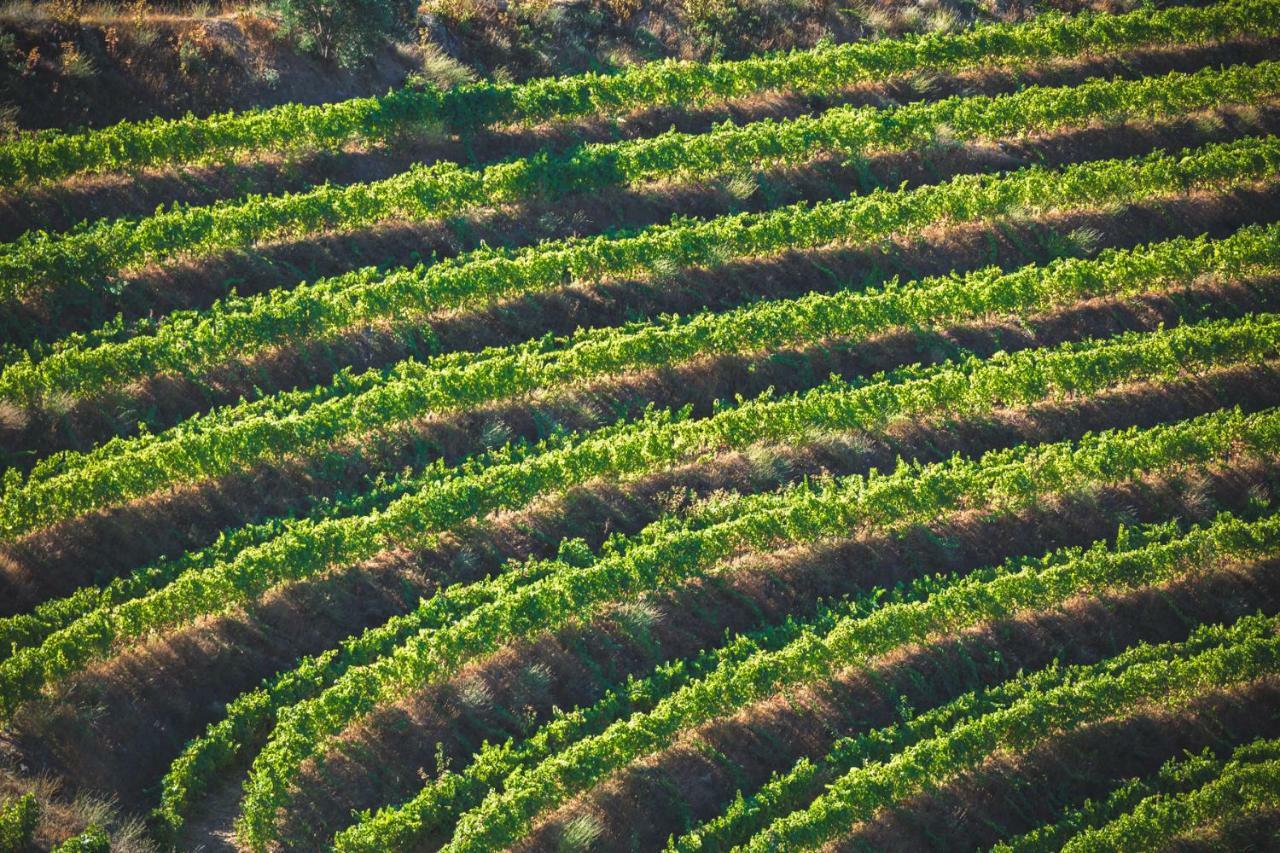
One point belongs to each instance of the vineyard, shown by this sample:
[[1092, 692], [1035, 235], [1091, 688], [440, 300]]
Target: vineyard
[[867, 446]]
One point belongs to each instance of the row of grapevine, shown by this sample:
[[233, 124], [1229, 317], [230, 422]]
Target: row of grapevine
[[1175, 776], [1007, 479], [307, 547], [250, 712], [825, 69], [444, 798], [70, 484], [79, 369], [30, 628], [431, 191], [797, 787], [249, 718], [510, 808], [767, 324], [1170, 683], [684, 244], [1249, 783], [473, 378]]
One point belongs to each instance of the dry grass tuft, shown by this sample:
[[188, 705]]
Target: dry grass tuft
[[475, 696], [441, 70], [579, 834], [12, 416]]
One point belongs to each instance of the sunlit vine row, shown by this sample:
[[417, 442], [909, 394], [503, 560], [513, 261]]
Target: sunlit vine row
[[827, 68], [78, 369], [74, 483], [447, 498], [509, 810], [432, 191]]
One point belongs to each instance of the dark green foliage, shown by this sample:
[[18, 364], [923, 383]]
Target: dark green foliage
[[345, 31]]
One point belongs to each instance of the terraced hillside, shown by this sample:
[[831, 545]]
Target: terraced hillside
[[884, 456]]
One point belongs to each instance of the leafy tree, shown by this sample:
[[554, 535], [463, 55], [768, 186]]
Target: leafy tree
[[347, 31]]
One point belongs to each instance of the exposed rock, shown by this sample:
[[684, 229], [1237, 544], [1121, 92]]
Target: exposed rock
[[439, 34]]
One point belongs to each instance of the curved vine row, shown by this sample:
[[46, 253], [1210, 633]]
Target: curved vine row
[[52, 154]]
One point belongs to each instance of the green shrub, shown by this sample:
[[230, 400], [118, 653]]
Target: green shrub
[[18, 823], [93, 840]]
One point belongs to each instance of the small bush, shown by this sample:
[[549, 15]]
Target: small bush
[[18, 822], [76, 63], [66, 12], [92, 840]]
